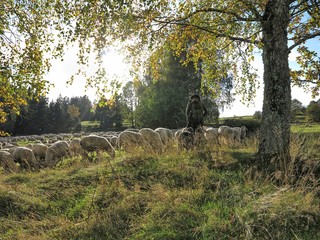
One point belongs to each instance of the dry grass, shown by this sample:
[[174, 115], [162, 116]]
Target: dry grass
[[212, 193]]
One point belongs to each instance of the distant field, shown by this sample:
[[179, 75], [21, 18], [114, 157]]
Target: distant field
[[221, 120], [90, 123], [295, 127], [305, 128]]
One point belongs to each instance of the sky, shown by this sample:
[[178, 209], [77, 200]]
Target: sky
[[116, 67], [61, 71]]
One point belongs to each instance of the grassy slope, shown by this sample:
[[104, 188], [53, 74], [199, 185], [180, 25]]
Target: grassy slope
[[212, 194]]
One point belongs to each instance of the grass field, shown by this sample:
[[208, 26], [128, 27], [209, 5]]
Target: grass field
[[305, 128], [216, 193]]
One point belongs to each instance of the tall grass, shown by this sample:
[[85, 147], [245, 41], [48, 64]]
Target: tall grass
[[212, 193]]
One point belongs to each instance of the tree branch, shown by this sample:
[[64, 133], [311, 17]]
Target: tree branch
[[296, 6], [303, 39], [252, 8], [236, 15], [304, 81], [215, 33]]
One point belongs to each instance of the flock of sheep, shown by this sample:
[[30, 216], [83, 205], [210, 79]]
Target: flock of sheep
[[48, 150]]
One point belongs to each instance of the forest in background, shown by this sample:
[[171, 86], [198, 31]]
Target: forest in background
[[140, 103]]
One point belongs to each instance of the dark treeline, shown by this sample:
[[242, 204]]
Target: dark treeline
[[40, 116]]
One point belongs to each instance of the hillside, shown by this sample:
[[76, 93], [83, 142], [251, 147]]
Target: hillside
[[215, 193]]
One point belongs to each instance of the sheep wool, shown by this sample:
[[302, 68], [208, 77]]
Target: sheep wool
[[7, 162], [56, 152], [25, 157], [93, 143]]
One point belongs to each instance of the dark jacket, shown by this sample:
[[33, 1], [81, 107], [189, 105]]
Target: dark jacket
[[196, 111]]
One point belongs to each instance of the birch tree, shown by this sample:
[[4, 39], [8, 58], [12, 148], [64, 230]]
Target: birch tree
[[224, 36]]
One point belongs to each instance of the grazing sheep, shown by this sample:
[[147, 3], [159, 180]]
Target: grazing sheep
[[130, 141], [9, 145], [186, 138], [113, 141], [56, 152], [226, 134], [231, 135], [25, 157], [7, 162], [75, 147], [166, 135], [177, 133], [212, 135], [93, 143], [240, 133], [39, 151], [132, 130], [153, 139]]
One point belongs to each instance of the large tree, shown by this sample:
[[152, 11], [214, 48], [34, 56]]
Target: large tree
[[221, 35], [224, 35]]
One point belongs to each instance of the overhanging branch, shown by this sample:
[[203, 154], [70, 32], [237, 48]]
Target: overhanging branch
[[213, 32], [303, 39]]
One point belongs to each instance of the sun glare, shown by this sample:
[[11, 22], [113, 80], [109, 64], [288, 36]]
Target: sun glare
[[61, 71]]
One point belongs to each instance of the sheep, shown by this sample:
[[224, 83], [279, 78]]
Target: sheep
[[166, 135], [56, 152], [231, 135], [240, 133], [7, 162], [75, 147], [93, 143], [113, 141], [185, 138], [177, 133], [9, 145], [39, 151], [212, 135], [130, 141], [132, 130], [153, 139], [226, 134], [25, 157]]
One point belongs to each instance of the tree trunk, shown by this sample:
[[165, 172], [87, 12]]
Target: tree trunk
[[274, 140]]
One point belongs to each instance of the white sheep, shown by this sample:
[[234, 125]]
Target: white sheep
[[130, 141], [166, 135], [25, 157], [226, 134], [75, 147], [153, 139], [7, 162], [113, 141], [231, 135], [177, 133], [240, 133], [93, 143], [56, 152], [212, 135], [39, 151]]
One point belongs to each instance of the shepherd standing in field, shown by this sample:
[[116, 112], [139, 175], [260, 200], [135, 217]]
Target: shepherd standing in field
[[195, 112]]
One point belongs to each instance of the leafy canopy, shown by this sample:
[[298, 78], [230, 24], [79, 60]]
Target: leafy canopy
[[222, 34]]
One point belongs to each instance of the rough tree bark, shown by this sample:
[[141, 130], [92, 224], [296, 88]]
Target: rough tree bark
[[274, 141]]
